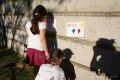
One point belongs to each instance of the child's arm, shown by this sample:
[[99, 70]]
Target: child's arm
[[43, 41]]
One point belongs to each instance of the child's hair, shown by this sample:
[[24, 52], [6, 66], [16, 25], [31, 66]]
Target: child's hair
[[39, 14], [56, 54]]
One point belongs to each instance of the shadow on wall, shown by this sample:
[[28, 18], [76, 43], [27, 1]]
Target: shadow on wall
[[59, 1], [3, 39], [51, 32], [106, 59], [13, 12], [67, 66]]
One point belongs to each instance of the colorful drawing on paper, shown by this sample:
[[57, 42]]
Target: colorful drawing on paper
[[75, 29]]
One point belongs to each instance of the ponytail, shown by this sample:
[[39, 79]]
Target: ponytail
[[35, 29], [38, 15]]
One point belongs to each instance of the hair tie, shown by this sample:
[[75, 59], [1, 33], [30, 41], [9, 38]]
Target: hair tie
[[36, 13]]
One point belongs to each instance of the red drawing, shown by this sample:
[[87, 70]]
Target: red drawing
[[78, 30]]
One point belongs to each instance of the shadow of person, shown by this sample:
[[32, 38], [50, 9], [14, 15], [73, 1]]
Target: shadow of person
[[67, 66], [106, 59], [51, 32]]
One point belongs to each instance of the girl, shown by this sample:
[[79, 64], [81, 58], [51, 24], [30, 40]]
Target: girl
[[52, 71], [37, 51]]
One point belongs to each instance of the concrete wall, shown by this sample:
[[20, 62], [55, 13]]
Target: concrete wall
[[101, 21], [80, 5], [95, 28]]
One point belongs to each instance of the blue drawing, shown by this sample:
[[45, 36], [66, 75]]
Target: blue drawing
[[73, 30]]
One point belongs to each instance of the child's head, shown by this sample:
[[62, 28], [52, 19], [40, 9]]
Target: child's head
[[39, 14], [57, 56]]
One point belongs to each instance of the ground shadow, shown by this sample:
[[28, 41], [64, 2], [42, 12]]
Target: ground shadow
[[51, 32], [67, 66], [9, 69], [5, 52], [106, 59]]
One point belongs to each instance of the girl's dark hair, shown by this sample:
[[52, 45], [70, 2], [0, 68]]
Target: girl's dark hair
[[57, 54], [39, 14]]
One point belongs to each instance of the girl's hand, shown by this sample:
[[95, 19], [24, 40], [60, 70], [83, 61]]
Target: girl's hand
[[47, 56]]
